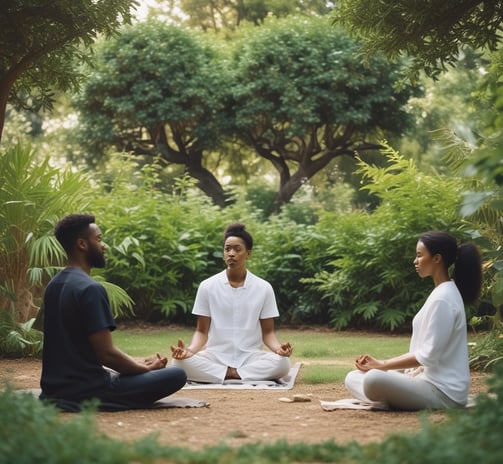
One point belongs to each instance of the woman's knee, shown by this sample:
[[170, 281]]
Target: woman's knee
[[375, 385]]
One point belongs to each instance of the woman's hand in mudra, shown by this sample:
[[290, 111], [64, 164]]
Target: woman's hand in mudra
[[180, 351]]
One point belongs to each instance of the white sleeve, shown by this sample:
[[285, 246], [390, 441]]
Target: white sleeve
[[435, 333]]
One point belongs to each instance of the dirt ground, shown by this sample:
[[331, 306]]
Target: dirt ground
[[237, 417]]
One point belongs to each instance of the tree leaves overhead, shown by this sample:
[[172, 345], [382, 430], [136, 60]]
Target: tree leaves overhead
[[43, 44], [429, 31]]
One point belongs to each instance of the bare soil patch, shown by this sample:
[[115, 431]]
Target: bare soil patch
[[237, 417]]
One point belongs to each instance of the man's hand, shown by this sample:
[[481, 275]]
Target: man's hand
[[155, 362]]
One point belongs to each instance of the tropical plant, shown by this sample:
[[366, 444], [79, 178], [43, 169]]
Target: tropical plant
[[34, 195], [18, 339]]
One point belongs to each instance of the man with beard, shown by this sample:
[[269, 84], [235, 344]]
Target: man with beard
[[80, 361]]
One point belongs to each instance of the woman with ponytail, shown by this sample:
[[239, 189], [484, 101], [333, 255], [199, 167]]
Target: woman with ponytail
[[434, 374]]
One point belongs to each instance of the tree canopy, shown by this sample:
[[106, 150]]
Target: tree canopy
[[43, 44], [156, 92], [294, 91], [428, 31], [302, 97]]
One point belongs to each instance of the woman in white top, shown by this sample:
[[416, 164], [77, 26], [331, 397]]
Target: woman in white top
[[235, 316], [434, 374]]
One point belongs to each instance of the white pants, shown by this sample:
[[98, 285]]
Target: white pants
[[205, 367], [397, 389]]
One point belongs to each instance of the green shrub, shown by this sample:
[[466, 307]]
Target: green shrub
[[157, 244], [487, 352], [370, 279], [282, 257], [33, 432]]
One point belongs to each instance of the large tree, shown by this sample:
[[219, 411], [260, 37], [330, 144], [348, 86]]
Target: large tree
[[302, 97], [156, 92], [429, 31], [43, 44]]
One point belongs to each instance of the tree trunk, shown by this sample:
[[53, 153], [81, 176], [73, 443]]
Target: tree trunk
[[192, 160], [5, 87], [209, 184], [287, 191]]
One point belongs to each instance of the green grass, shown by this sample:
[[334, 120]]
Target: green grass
[[327, 356]]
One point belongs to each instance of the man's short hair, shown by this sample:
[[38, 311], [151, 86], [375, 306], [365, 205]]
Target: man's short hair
[[71, 228]]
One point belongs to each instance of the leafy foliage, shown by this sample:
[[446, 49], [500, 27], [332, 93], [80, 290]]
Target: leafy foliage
[[159, 246], [157, 91], [370, 280], [488, 352], [467, 436], [44, 44], [34, 195], [428, 32], [301, 97], [18, 339], [281, 258]]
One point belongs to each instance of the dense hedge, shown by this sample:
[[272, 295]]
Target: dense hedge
[[346, 269]]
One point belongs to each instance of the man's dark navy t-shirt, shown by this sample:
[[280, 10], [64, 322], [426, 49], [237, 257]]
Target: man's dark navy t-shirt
[[75, 307]]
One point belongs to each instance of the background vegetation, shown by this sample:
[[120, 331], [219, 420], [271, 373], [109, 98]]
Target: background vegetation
[[281, 122]]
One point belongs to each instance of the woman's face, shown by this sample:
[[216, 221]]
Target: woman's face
[[424, 262], [235, 252]]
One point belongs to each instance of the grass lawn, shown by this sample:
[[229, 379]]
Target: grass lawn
[[327, 356]]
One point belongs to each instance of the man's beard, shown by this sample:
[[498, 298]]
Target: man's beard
[[96, 259]]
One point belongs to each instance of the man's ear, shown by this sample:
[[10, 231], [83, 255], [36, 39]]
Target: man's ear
[[81, 244]]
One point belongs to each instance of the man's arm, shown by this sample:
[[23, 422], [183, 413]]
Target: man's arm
[[113, 358]]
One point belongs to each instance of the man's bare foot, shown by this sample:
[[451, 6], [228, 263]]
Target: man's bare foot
[[232, 374]]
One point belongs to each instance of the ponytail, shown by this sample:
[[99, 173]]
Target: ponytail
[[468, 272]]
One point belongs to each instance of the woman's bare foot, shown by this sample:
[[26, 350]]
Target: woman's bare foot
[[232, 374]]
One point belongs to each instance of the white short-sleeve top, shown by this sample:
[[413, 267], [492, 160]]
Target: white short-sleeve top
[[439, 342], [235, 313]]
